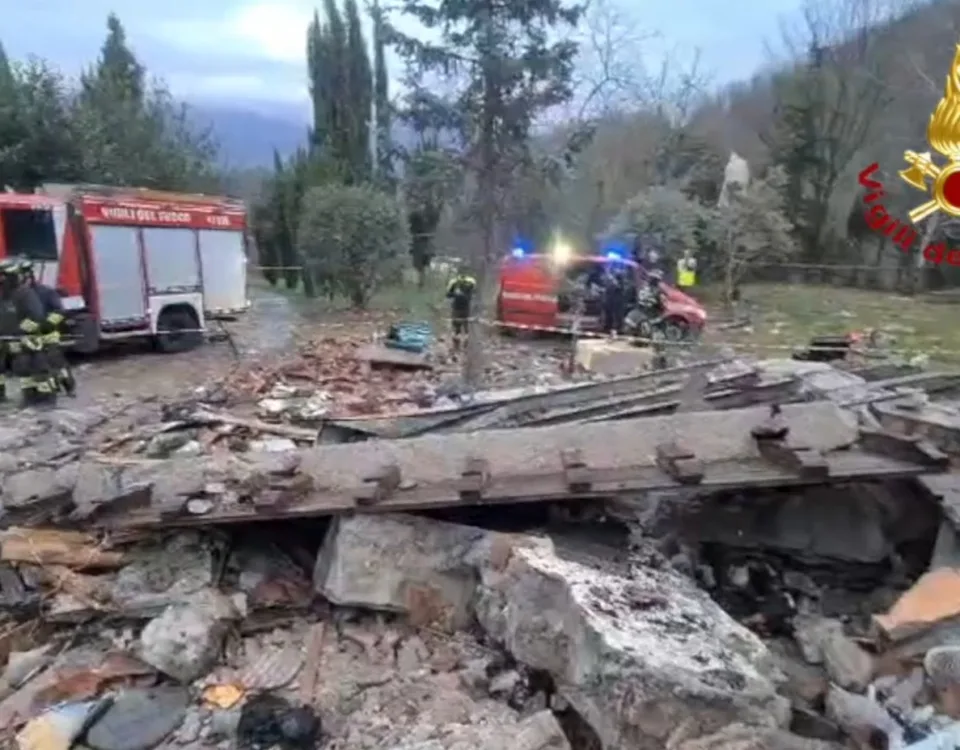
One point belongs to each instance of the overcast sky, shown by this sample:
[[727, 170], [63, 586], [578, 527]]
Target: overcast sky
[[242, 50]]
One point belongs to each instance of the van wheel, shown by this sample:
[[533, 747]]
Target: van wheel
[[675, 329], [177, 330]]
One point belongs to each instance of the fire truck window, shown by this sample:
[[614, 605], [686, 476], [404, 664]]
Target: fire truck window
[[29, 233]]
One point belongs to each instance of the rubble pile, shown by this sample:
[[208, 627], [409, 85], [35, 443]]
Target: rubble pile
[[323, 375], [739, 617], [340, 378], [482, 640]]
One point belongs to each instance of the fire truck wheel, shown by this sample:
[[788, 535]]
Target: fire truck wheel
[[85, 334], [177, 330]]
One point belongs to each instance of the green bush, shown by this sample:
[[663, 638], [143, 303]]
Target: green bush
[[353, 239]]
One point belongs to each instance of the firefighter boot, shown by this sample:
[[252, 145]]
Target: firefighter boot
[[67, 382], [3, 390], [28, 392], [46, 392]]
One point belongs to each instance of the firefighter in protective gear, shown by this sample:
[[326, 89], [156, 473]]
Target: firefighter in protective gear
[[460, 293], [55, 319], [686, 270], [22, 325], [650, 300]]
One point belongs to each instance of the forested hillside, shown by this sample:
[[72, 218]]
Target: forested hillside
[[861, 88]]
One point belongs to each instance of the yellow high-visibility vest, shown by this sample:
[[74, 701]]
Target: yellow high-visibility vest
[[685, 276]]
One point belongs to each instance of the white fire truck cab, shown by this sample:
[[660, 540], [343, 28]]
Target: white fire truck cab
[[132, 262]]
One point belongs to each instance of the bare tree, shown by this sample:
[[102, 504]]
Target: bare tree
[[828, 106], [610, 75]]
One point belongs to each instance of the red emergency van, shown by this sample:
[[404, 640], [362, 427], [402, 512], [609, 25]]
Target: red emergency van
[[531, 294]]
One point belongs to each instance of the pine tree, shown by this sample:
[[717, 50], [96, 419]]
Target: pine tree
[[512, 73], [117, 74]]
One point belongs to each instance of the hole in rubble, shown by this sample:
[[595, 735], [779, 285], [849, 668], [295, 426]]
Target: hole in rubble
[[580, 735], [517, 517], [843, 552]]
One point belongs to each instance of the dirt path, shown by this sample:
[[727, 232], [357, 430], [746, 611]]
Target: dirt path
[[135, 369]]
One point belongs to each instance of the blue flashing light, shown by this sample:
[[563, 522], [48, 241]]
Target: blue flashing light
[[518, 252], [613, 255], [522, 244]]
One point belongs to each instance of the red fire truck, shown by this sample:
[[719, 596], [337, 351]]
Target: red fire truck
[[132, 262], [531, 294]]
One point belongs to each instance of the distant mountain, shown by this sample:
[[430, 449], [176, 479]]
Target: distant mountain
[[248, 133], [248, 136]]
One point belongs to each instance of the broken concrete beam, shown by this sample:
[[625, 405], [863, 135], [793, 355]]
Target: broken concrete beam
[[524, 409], [523, 465], [608, 639], [711, 436], [912, 448]]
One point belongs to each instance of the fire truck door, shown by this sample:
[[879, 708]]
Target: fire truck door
[[115, 251], [48, 269]]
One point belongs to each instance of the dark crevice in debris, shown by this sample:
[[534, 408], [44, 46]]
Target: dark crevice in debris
[[580, 734]]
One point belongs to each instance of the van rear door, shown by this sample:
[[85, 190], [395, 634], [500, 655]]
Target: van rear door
[[528, 292]]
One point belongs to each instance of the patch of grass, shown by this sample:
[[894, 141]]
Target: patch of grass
[[789, 315], [403, 301]]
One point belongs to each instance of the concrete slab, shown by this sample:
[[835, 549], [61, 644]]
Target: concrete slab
[[612, 357]]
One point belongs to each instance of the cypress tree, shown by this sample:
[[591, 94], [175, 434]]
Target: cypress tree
[[381, 96], [360, 96]]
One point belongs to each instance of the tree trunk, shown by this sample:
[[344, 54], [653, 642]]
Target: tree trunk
[[918, 274], [358, 298], [421, 278], [309, 287]]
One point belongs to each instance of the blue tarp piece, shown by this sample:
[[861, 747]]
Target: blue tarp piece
[[410, 337]]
